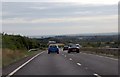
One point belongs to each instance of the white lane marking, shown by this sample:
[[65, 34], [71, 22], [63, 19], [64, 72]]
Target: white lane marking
[[86, 68], [13, 72], [99, 56], [106, 57], [65, 55], [97, 75], [79, 64], [111, 58], [70, 59]]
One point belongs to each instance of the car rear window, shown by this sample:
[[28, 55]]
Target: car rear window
[[73, 45], [53, 46]]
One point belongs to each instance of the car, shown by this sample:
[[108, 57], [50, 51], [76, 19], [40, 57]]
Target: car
[[78, 45], [73, 48], [53, 48], [65, 48]]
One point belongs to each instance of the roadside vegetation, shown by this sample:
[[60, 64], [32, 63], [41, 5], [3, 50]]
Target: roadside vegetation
[[10, 56], [18, 42], [109, 52], [15, 47]]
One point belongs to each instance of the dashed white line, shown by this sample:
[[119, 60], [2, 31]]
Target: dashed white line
[[65, 55], [23, 65], [97, 75], [79, 64], [70, 59], [86, 68]]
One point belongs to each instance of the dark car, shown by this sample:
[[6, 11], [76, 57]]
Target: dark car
[[65, 48], [73, 48], [53, 49]]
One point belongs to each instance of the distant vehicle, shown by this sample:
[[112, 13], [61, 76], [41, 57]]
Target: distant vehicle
[[65, 48], [51, 42], [53, 48], [73, 48]]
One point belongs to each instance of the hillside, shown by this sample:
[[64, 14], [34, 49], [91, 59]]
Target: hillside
[[15, 47], [18, 42], [86, 41]]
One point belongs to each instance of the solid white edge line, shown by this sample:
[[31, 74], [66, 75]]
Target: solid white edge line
[[100, 56], [13, 72]]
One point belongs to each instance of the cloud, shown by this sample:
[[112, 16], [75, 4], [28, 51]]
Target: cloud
[[37, 18], [39, 8], [56, 30], [71, 1], [60, 20], [54, 10]]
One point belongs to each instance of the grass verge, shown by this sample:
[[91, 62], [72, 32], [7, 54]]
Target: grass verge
[[102, 52], [10, 56]]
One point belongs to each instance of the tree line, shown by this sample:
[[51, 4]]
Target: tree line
[[18, 42]]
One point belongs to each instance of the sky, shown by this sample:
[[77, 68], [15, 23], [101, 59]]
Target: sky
[[54, 17]]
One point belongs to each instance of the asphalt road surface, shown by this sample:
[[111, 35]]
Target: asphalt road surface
[[69, 64]]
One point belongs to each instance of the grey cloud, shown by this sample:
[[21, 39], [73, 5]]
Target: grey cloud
[[33, 10]]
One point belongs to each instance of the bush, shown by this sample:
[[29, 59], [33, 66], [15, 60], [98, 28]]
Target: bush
[[18, 42]]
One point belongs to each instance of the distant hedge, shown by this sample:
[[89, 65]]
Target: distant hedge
[[106, 51], [18, 42]]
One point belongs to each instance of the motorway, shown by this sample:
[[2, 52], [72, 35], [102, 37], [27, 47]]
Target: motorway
[[69, 64]]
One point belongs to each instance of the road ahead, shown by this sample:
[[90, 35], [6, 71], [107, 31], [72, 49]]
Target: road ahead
[[70, 64]]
